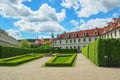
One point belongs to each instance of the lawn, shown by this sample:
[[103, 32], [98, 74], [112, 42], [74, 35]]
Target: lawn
[[19, 59], [61, 60]]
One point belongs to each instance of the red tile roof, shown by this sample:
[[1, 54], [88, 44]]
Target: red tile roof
[[40, 41], [91, 32]]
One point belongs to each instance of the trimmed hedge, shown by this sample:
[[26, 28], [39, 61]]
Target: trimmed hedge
[[55, 50], [13, 61], [69, 62], [6, 51], [101, 48]]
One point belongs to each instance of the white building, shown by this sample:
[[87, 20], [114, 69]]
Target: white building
[[81, 38], [7, 40]]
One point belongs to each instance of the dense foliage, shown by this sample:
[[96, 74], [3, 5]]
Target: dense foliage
[[24, 44], [103, 52], [6, 51]]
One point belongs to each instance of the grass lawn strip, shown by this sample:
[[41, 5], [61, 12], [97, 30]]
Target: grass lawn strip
[[19, 59]]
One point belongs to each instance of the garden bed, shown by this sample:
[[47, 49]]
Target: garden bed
[[61, 60], [19, 59]]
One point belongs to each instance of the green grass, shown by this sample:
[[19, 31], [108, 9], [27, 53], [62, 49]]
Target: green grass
[[61, 59], [19, 59]]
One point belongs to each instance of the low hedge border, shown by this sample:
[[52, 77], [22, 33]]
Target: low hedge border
[[69, 62], [7, 62]]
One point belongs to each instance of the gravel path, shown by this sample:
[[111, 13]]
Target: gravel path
[[83, 70]]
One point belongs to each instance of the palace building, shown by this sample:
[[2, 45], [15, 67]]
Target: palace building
[[7, 40], [81, 38]]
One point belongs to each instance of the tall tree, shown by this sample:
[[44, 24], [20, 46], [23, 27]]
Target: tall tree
[[24, 44]]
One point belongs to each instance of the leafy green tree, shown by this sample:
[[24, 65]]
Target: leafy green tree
[[24, 44], [34, 46]]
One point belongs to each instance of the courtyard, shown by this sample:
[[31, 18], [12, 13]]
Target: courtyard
[[84, 69]]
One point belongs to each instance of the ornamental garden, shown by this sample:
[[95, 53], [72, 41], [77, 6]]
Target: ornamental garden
[[102, 52]]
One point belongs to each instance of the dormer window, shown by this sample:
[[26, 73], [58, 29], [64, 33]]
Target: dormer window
[[75, 34], [84, 33], [67, 35], [96, 33]]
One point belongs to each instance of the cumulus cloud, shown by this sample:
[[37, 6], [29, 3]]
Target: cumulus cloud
[[14, 33], [86, 8], [45, 19], [98, 22], [74, 22]]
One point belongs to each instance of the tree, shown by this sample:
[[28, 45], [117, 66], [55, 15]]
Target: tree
[[24, 44], [34, 46]]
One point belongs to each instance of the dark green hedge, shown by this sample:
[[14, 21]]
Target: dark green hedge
[[100, 48], [54, 50], [6, 51]]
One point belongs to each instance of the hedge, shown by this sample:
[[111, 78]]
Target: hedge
[[6, 51], [101, 48], [13, 61], [69, 62]]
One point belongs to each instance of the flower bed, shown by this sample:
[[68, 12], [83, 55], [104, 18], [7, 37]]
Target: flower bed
[[19, 59], [61, 60]]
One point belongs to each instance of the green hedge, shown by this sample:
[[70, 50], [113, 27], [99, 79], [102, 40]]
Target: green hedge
[[54, 50], [97, 50], [13, 61], [6, 51], [69, 62]]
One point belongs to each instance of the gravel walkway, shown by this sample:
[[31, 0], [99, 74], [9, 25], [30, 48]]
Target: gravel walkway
[[83, 70]]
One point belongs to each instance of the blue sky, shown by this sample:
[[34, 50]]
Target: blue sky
[[38, 18]]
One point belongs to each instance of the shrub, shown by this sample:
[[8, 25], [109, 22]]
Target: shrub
[[6, 51], [101, 48]]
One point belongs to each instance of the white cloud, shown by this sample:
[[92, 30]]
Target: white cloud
[[14, 33], [45, 19], [86, 8], [98, 22], [74, 22]]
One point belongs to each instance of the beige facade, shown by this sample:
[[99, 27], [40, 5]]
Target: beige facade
[[7, 40]]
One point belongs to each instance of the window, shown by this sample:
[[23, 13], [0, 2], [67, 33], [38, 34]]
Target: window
[[74, 47], [115, 33], [60, 41], [89, 39], [55, 42], [66, 47], [74, 40], [107, 35], [70, 47], [111, 35], [67, 36], [70, 40], [66, 41], [84, 39], [78, 40]]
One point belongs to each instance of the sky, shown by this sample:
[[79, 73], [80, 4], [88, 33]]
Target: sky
[[32, 19]]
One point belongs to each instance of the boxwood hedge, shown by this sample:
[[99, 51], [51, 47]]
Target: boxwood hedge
[[103, 52], [69, 62]]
